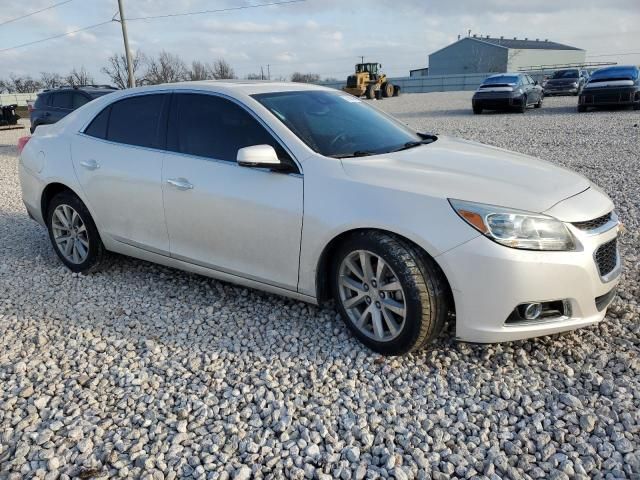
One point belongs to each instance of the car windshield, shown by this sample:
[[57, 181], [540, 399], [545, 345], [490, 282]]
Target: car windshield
[[566, 74], [619, 73], [499, 79], [339, 125]]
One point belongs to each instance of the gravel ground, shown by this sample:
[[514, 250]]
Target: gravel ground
[[145, 371]]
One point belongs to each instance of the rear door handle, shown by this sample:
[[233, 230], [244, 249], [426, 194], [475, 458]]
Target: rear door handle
[[180, 183], [90, 164]]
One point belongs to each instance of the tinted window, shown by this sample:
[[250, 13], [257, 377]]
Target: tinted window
[[136, 121], [509, 79], [79, 100], [62, 100], [615, 73], [98, 127], [213, 127], [41, 101], [565, 74]]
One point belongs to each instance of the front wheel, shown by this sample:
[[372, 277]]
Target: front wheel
[[73, 233], [371, 92], [391, 295], [539, 104]]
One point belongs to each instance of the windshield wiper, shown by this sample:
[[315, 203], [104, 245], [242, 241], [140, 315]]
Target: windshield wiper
[[414, 144], [357, 153]]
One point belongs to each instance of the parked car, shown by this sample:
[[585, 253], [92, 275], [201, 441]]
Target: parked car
[[507, 91], [54, 104], [612, 86], [311, 193], [570, 81]]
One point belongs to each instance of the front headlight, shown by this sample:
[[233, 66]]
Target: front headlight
[[516, 228]]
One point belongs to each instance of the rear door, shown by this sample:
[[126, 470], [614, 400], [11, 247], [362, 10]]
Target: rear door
[[118, 160]]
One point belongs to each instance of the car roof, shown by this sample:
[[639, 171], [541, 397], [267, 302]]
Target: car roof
[[233, 87], [507, 74], [86, 88]]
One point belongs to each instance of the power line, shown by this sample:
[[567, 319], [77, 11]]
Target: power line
[[33, 13], [55, 36], [219, 10]]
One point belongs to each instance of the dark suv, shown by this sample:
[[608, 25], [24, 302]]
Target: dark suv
[[570, 81], [52, 105]]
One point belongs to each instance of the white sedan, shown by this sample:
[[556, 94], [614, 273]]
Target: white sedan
[[311, 193]]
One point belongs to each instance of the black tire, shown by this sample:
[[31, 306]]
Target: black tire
[[636, 106], [96, 251], [424, 286], [582, 109], [371, 92], [522, 108], [396, 91], [477, 110], [387, 89]]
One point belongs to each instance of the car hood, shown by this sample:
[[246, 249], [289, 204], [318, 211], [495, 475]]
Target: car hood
[[465, 170]]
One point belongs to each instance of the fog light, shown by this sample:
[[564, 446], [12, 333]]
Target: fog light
[[532, 311]]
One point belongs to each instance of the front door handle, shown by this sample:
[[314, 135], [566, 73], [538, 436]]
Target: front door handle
[[180, 183], [90, 164]]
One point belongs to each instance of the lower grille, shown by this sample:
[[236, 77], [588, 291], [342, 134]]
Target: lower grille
[[606, 257]]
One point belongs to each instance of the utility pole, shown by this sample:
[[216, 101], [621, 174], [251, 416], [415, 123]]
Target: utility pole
[[132, 82], [268, 71], [362, 58]]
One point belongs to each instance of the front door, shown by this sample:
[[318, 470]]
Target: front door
[[239, 220]]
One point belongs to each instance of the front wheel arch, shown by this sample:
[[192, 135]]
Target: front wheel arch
[[323, 270]]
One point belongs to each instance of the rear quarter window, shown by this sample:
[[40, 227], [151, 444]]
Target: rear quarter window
[[42, 101], [98, 127], [62, 100]]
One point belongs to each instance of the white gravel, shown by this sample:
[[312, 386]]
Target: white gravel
[[144, 371]]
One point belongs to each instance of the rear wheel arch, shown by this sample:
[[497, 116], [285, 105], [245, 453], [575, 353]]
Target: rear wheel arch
[[51, 191], [325, 262]]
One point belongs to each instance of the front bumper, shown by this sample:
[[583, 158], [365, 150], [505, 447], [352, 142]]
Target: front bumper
[[490, 280], [561, 90], [593, 97]]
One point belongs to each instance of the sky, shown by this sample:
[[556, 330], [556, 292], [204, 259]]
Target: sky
[[320, 36]]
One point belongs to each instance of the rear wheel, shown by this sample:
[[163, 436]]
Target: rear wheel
[[477, 110], [73, 233], [523, 104], [390, 294], [371, 92], [387, 89]]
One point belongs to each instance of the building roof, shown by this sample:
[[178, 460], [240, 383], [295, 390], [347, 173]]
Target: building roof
[[514, 43], [525, 44]]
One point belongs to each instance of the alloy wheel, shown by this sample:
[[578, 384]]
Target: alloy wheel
[[70, 234], [372, 295]]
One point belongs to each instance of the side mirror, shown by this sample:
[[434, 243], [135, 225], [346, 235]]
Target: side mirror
[[261, 156]]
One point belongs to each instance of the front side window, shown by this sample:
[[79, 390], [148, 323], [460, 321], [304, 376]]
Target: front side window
[[338, 125], [213, 127], [62, 100], [137, 121]]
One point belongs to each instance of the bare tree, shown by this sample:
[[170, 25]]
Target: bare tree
[[221, 70], [254, 76], [305, 77], [166, 68], [77, 78], [51, 80], [199, 71], [117, 71], [17, 84]]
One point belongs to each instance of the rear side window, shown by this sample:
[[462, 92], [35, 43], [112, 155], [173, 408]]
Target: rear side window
[[98, 127], [62, 100], [136, 121], [79, 100], [213, 127]]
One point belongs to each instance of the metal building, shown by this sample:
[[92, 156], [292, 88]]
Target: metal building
[[477, 54]]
